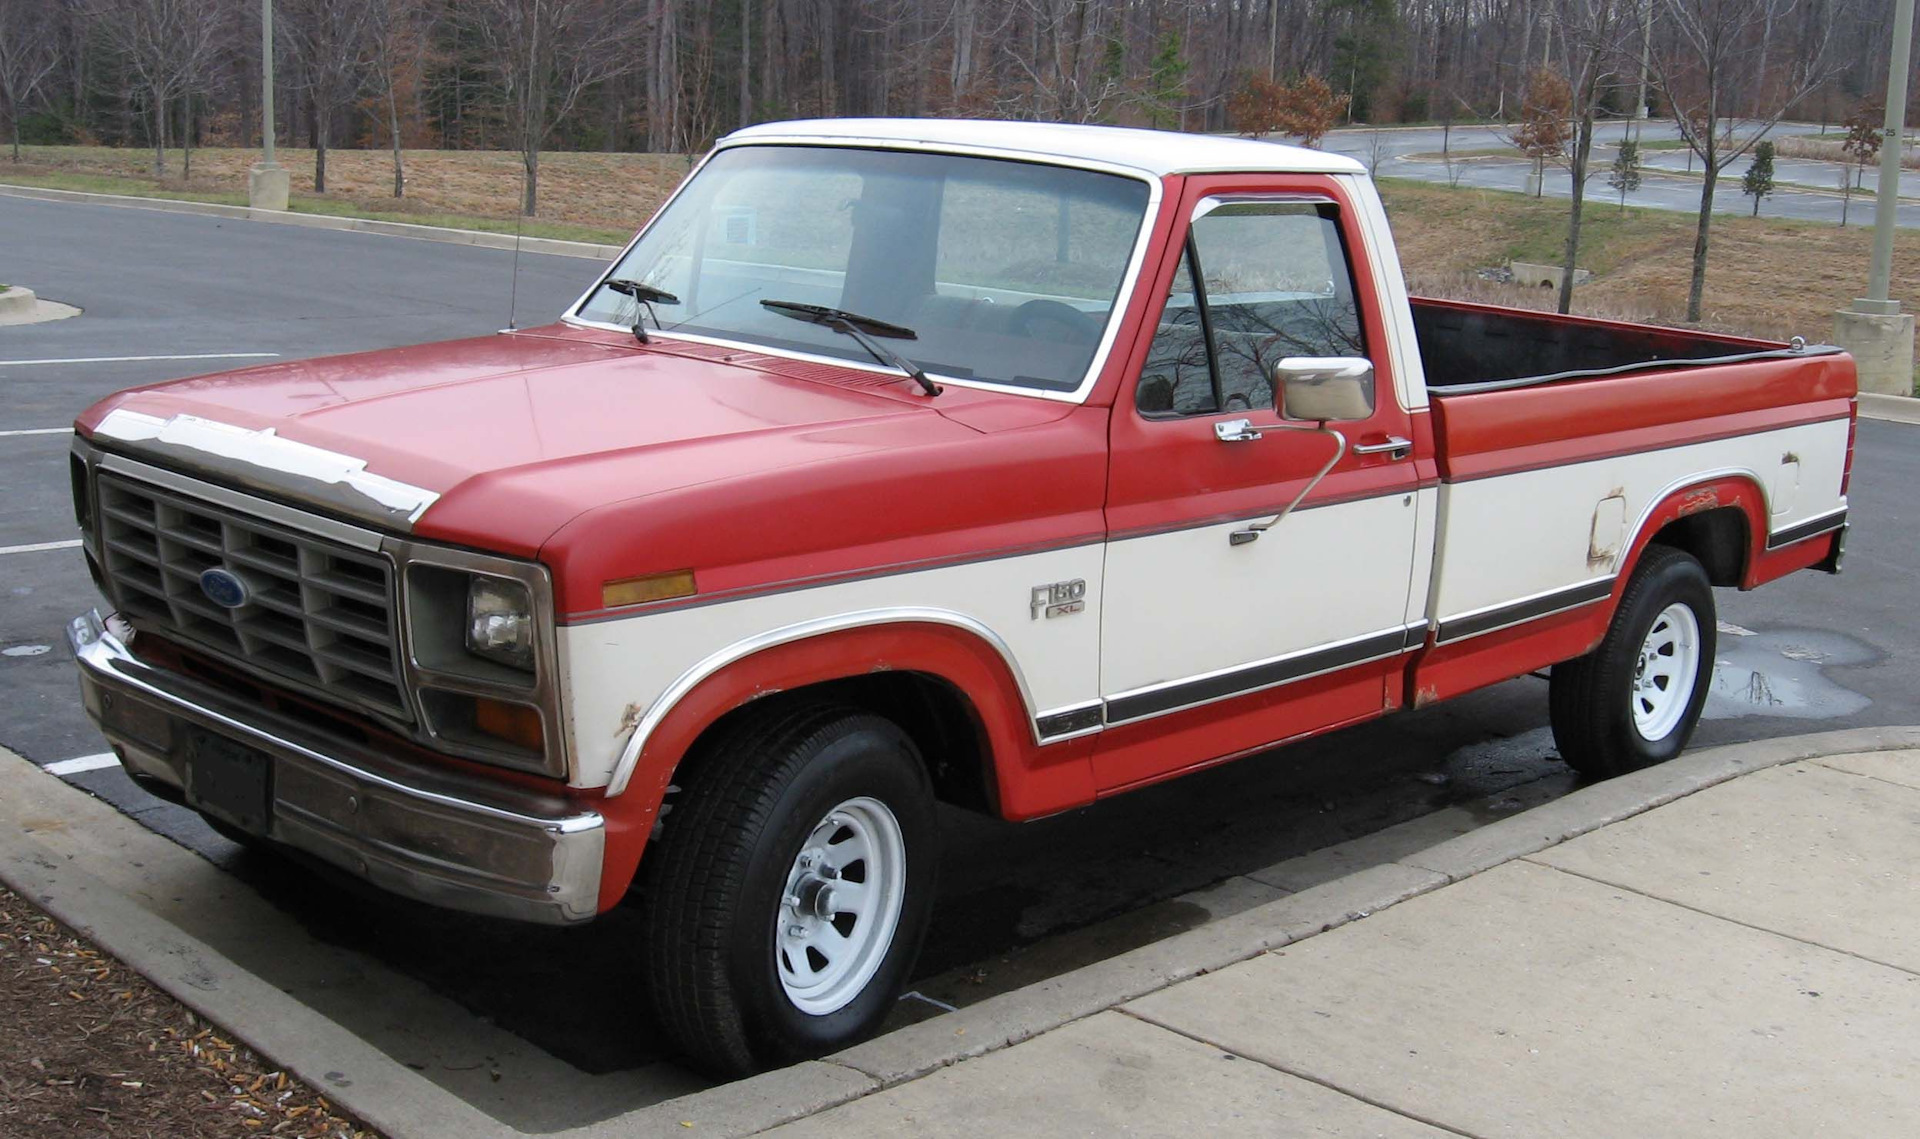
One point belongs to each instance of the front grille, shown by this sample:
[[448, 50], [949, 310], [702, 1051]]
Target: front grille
[[318, 614]]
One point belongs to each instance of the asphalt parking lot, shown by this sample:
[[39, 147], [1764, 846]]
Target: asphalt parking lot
[[167, 295]]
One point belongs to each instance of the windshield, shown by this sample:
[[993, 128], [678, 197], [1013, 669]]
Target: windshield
[[1007, 272]]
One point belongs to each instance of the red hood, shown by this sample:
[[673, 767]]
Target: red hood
[[514, 432]]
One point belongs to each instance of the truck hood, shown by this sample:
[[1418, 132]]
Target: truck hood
[[500, 440]]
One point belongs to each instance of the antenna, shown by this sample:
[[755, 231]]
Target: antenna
[[513, 289]]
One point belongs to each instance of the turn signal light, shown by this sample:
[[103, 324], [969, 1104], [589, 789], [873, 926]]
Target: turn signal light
[[515, 723], [640, 590]]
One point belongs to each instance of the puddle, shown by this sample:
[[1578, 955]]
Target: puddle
[[1783, 674]]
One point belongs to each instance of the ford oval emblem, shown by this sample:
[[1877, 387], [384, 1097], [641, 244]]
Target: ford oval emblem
[[224, 588]]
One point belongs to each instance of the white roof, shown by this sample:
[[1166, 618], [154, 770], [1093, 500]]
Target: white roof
[[1153, 152]]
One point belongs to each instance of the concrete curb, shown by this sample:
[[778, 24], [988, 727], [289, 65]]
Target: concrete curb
[[389, 1096], [15, 300], [364, 1081], [1024, 1013], [1892, 408], [475, 237]]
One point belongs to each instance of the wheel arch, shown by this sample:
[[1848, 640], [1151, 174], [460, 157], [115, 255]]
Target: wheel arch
[[950, 682], [1719, 517]]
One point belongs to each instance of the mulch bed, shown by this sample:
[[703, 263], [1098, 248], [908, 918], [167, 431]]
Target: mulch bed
[[89, 1048]]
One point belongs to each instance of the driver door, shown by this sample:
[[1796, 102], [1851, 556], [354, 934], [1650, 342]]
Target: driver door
[[1212, 644]]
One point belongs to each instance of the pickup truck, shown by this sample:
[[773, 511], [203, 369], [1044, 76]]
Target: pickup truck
[[1009, 465]]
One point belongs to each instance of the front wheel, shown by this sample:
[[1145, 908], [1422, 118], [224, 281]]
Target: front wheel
[[789, 891], [1635, 699]]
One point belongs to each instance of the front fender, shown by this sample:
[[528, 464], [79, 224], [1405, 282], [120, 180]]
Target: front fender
[[1029, 779]]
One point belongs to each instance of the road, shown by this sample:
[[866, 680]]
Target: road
[[1667, 182], [1017, 901]]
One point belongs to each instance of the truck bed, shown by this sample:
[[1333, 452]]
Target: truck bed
[[1466, 348], [1557, 442]]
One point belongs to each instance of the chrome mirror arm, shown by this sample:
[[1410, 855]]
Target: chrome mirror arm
[[1253, 531]]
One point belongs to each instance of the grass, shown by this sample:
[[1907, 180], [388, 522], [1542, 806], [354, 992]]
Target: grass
[[1765, 276], [599, 198]]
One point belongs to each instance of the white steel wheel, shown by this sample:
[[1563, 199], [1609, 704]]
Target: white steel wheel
[[841, 906], [1664, 677]]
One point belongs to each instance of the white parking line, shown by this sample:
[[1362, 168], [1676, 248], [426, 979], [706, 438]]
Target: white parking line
[[84, 763], [39, 431], [36, 547], [139, 359]]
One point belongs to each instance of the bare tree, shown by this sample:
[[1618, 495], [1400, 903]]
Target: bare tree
[[168, 46], [331, 39], [398, 35], [1591, 31], [27, 55], [544, 55], [1704, 66]]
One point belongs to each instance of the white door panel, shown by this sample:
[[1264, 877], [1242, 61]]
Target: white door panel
[[1188, 603]]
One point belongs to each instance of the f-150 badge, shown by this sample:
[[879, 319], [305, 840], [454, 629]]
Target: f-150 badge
[[1059, 599]]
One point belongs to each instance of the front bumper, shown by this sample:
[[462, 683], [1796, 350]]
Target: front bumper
[[440, 837]]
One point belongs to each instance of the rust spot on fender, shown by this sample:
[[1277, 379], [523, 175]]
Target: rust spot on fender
[[1706, 498], [1425, 696], [629, 720]]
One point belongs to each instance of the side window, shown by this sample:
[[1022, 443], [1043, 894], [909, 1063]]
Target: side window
[[1272, 281]]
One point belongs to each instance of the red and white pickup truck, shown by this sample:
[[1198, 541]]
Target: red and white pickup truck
[[1013, 465]]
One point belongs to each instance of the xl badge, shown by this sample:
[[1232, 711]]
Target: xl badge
[[224, 588], [1059, 599]]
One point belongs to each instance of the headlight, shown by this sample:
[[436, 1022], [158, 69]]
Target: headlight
[[500, 621]]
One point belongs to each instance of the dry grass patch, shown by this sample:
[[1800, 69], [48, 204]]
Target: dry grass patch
[[1765, 277], [603, 195]]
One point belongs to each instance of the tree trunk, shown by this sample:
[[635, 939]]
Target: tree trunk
[[746, 62], [1696, 291], [393, 132], [159, 136], [1582, 151], [186, 138], [322, 127], [530, 159]]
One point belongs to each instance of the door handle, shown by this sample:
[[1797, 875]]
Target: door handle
[[1236, 431], [1394, 448]]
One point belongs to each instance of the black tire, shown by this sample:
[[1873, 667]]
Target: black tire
[[716, 879], [1591, 698]]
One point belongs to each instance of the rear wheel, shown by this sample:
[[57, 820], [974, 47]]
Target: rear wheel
[[789, 891], [1635, 699]]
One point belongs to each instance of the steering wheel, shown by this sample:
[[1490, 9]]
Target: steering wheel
[[1079, 327]]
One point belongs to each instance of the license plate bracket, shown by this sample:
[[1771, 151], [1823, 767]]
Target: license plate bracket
[[229, 780]]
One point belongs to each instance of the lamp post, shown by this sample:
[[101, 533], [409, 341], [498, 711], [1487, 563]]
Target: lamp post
[[268, 182], [1887, 199], [1874, 329]]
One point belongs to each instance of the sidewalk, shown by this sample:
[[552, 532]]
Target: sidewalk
[[1727, 944], [1744, 961]]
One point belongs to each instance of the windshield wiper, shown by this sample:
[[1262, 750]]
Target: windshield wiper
[[644, 296], [863, 329]]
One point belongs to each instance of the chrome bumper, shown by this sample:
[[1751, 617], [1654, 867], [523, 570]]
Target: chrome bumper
[[440, 837]]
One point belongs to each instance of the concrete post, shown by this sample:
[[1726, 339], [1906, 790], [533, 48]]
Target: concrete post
[[1874, 329], [268, 182]]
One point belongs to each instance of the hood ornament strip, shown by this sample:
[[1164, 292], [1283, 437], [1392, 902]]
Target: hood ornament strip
[[265, 460]]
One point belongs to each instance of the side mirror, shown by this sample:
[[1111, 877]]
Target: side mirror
[[1323, 389]]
